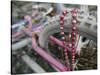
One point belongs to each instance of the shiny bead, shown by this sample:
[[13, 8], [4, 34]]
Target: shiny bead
[[74, 21], [75, 10], [61, 27], [73, 48], [73, 44], [61, 17], [73, 52], [73, 57], [65, 50], [69, 35], [74, 28], [61, 22], [70, 45], [73, 34], [74, 14], [73, 39], [62, 33], [63, 38], [64, 12]]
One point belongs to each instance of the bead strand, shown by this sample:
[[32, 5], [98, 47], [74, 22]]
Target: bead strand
[[73, 35], [63, 37]]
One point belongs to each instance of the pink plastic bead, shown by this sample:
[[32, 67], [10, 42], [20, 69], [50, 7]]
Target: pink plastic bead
[[70, 45], [73, 57], [66, 53], [74, 21], [61, 27], [62, 33], [63, 38], [73, 34], [74, 28], [75, 10], [73, 39], [74, 15], [61, 22], [61, 17], [64, 12]]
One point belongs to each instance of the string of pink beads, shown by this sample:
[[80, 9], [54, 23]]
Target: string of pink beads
[[63, 37], [72, 36]]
